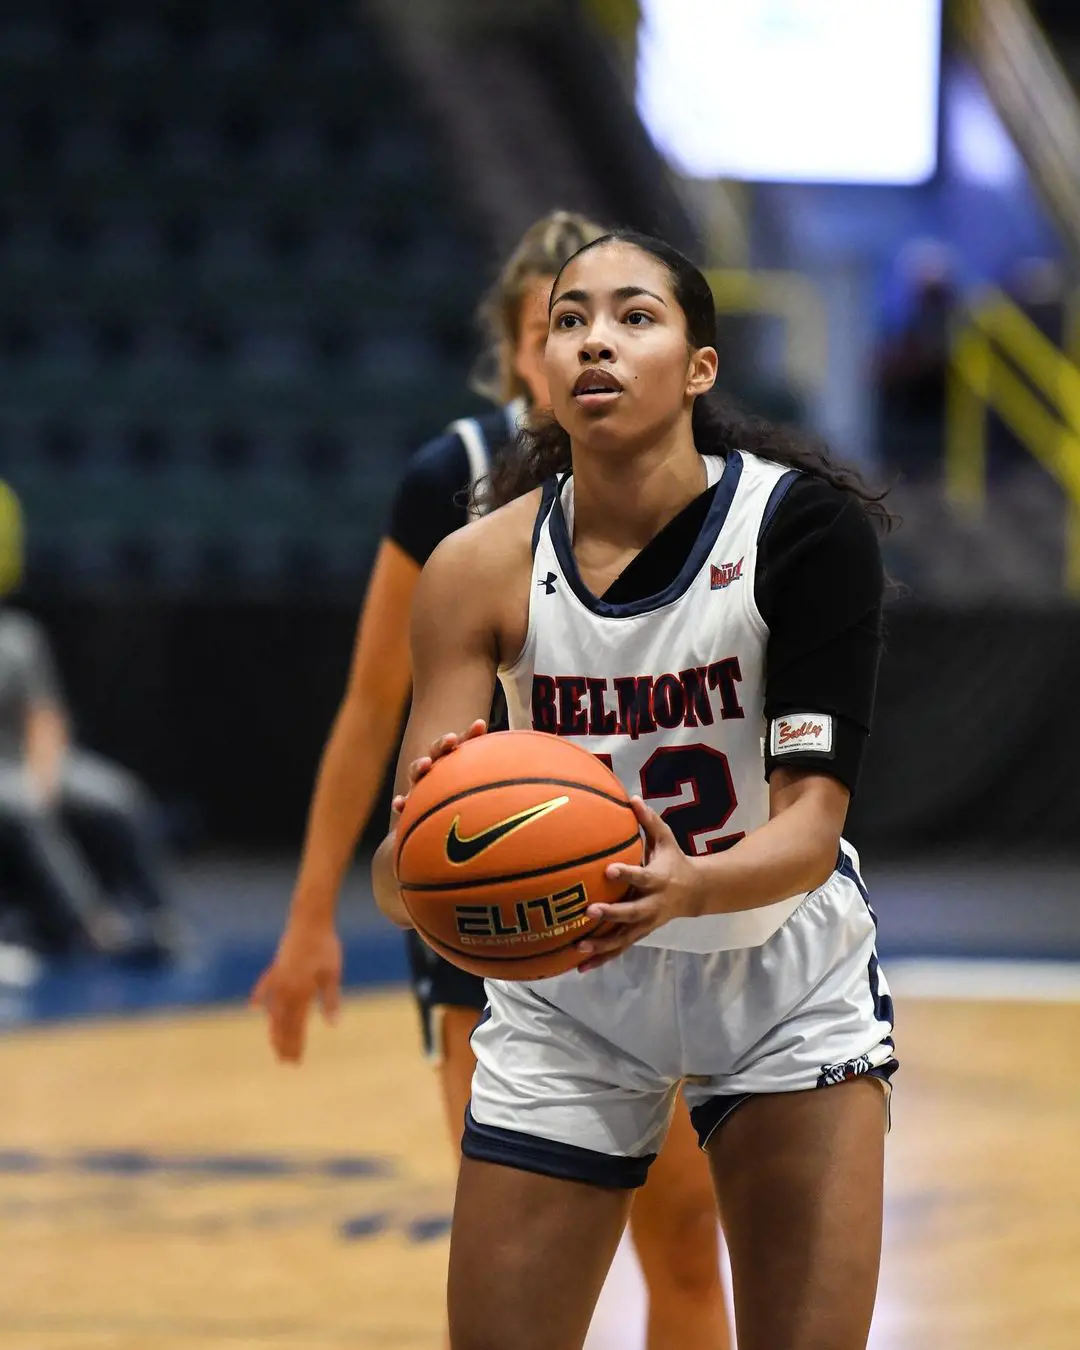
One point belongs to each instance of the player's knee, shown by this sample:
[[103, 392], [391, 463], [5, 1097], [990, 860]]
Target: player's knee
[[679, 1249]]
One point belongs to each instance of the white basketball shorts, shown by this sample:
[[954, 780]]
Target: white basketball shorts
[[577, 1075]]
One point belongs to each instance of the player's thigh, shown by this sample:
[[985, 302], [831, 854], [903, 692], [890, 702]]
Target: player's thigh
[[528, 1257], [799, 1176], [674, 1219], [456, 1063]]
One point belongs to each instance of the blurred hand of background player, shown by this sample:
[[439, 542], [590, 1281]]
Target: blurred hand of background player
[[666, 887], [306, 967]]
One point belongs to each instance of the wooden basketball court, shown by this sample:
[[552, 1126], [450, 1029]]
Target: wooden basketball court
[[163, 1183]]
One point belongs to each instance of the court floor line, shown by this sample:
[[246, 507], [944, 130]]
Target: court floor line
[[985, 981]]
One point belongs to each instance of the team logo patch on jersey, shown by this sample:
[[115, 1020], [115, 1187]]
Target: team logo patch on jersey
[[832, 1075], [801, 733], [723, 574]]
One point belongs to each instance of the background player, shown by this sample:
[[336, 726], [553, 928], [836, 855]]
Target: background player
[[677, 541], [674, 1223]]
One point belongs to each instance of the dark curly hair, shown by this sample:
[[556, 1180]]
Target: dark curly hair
[[719, 425]]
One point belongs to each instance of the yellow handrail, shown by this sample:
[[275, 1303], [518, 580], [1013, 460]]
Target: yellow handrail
[[11, 540], [997, 341], [788, 296]]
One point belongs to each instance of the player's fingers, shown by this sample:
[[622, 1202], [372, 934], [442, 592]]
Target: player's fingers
[[626, 913], [444, 744], [478, 728], [640, 878], [398, 803], [419, 767], [260, 995], [595, 962], [287, 1030], [330, 999], [605, 949], [656, 830]]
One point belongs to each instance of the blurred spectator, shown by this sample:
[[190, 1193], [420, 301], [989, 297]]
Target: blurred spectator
[[76, 841], [914, 363]]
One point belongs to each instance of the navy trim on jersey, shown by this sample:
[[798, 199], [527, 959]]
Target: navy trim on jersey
[[548, 1157], [548, 494], [714, 523], [776, 496]]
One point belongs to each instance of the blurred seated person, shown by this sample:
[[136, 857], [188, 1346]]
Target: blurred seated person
[[77, 845]]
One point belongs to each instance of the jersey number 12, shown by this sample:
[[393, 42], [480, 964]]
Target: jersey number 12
[[701, 778]]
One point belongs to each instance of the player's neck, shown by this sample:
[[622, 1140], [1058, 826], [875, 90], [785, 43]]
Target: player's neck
[[627, 498]]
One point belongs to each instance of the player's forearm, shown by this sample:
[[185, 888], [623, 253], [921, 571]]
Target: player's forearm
[[348, 782], [795, 852], [385, 886]]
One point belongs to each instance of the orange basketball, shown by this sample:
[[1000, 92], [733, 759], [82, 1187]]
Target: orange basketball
[[503, 846]]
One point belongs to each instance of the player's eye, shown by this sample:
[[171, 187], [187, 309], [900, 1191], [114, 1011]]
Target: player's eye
[[567, 320], [637, 318]]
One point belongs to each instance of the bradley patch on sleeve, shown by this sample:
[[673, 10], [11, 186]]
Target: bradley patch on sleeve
[[800, 734]]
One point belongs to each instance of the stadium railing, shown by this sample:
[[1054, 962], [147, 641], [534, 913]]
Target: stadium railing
[[1002, 363]]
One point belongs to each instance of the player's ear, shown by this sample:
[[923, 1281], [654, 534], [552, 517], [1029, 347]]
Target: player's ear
[[701, 376]]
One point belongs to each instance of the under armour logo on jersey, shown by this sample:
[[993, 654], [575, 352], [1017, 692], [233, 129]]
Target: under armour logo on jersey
[[548, 583], [721, 577]]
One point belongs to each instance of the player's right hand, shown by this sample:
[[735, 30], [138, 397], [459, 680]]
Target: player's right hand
[[305, 968], [440, 747]]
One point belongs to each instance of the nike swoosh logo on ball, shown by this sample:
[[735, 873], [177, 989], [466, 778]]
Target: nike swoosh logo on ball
[[463, 848]]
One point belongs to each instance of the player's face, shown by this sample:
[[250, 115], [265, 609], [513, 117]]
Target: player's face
[[532, 331], [618, 364]]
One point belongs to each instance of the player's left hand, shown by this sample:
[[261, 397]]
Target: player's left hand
[[666, 887]]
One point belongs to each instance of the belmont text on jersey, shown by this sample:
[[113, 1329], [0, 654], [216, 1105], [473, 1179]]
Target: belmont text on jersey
[[636, 705]]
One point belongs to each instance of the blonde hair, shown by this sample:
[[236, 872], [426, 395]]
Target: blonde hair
[[543, 250]]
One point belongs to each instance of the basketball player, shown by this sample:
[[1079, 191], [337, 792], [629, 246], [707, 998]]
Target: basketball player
[[652, 541], [674, 1224]]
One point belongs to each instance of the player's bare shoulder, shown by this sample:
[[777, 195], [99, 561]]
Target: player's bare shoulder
[[481, 572]]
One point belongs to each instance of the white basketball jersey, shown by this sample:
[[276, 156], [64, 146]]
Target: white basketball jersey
[[669, 690]]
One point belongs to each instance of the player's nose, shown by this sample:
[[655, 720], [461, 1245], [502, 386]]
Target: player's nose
[[596, 346]]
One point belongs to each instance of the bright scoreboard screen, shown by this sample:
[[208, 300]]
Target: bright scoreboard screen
[[813, 91]]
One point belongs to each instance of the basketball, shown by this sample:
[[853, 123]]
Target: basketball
[[503, 845]]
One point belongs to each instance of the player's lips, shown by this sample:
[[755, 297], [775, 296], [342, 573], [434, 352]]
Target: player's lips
[[596, 386]]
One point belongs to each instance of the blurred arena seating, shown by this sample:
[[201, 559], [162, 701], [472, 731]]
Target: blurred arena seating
[[235, 288]]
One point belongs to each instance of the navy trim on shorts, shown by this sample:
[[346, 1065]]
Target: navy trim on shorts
[[438, 984], [883, 1004], [549, 1158], [707, 1117], [710, 1115]]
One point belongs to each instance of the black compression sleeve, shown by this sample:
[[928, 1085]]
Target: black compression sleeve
[[428, 504], [819, 588]]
